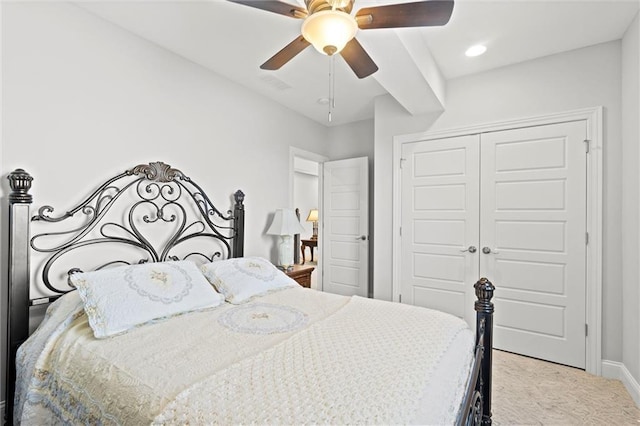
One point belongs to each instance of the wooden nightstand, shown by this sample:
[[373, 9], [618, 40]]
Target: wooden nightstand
[[302, 274]]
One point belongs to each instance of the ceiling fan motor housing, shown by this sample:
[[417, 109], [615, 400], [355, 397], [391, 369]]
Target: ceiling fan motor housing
[[314, 6]]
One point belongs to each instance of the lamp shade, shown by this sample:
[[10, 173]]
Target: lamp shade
[[285, 222], [329, 30], [313, 215]]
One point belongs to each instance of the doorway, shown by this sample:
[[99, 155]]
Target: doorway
[[305, 194], [340, 190]]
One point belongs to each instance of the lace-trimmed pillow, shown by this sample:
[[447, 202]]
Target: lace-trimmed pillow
[[118, 299], [242, 278]]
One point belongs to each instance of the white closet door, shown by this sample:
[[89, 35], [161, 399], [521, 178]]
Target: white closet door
[[439, 222], [533, 204], [518, 197]]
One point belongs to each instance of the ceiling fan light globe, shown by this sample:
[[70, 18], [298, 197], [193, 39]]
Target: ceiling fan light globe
[[329, 30]]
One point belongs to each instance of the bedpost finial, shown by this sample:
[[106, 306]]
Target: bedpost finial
[[239, 197], [20, 184], [484, 292]]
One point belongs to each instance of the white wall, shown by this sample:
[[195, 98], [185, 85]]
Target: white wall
[[631, 202], [84, 100], [578, 79], [351, 140]]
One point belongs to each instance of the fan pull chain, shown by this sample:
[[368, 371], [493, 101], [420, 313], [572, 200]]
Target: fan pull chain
[[332, 86]]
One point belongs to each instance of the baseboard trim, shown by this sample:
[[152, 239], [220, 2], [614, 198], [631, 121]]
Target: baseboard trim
[[612, 369], [617, 370], [631, 384]]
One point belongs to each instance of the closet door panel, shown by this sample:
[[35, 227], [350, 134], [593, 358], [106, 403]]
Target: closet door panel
[[533, 223], [440, 220]]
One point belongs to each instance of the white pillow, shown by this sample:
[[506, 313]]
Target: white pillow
[[118, 299], [242, 278]]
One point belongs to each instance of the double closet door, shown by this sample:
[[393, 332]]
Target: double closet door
[[510, 206]]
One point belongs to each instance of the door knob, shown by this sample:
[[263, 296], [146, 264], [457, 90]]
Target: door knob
[[362, 237], [471, 249], [487, 250]]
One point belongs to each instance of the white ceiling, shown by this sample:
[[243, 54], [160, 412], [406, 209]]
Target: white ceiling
[[233, 40]]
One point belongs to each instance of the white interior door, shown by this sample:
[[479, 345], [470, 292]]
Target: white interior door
[[533, 222], [519, 198], [440, 224], [345, 231]]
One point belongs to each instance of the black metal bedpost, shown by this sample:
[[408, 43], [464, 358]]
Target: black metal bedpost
[[238, 224], [19, 278], [484, 324]]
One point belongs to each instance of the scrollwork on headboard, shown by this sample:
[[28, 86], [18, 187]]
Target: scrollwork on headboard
[[153, 198], [148, 195]]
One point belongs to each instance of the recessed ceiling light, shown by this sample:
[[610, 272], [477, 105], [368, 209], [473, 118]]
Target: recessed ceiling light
[[476, 50], [323, 101]]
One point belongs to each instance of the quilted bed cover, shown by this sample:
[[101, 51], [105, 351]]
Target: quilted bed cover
[[296, 356]]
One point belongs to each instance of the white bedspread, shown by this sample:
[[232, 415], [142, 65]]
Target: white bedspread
[[295, 356]]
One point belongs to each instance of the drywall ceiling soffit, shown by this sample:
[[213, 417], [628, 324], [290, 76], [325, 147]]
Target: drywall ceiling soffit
[[400, 74]]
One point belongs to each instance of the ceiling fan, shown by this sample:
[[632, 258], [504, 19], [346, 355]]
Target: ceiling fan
[[329, 26]]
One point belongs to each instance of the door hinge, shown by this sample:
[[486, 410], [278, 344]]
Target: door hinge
[[587, 142], [401, 231], [400, 298], [586, 329], [402, 160], [586, 238]]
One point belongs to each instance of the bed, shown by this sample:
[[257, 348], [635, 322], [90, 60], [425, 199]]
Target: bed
[[216, 338]]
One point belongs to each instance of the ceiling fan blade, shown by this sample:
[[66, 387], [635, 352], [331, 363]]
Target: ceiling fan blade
[[358, 59], [275, 7], [286, 54], [418, 14]]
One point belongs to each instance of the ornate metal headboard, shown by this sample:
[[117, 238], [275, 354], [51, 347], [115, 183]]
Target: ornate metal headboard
[[150, 213]]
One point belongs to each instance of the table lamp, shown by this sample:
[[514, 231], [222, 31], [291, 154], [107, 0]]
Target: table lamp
[[285, 224], [313, 217]]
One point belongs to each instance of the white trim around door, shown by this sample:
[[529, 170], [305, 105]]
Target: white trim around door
[[593, 118]]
